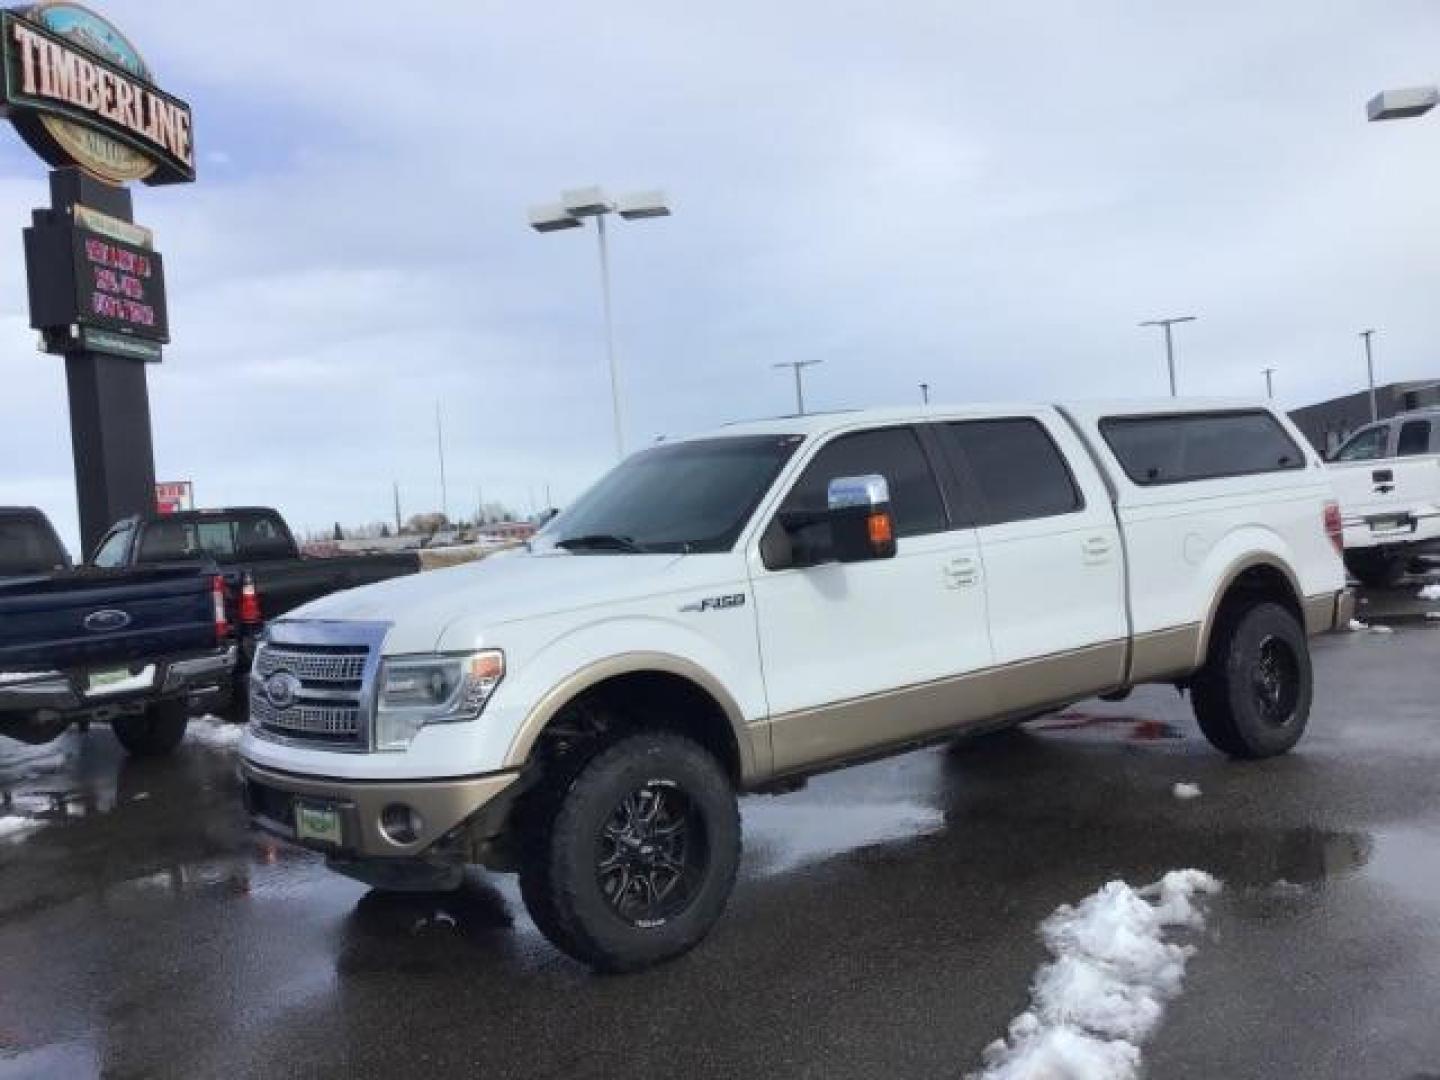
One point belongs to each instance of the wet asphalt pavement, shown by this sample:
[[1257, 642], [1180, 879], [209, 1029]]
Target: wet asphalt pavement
[[884, 923]]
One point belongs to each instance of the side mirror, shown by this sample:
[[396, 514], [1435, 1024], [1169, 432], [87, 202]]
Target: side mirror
[[861, 527]]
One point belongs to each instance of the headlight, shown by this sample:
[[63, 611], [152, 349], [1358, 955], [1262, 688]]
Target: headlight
[[417, 691]]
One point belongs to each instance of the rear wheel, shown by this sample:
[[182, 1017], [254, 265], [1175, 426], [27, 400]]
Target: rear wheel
[[1252, 698], [1376, 568], [629, 859], [155, 732]]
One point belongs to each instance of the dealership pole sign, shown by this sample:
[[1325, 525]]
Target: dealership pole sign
[[82, 97]]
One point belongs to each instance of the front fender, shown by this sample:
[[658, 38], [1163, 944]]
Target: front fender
[[586, 657]]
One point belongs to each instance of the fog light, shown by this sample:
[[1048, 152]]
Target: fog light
[[401, 824]]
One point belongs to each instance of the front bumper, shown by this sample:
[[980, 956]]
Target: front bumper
[[443, 805], [200, 678]]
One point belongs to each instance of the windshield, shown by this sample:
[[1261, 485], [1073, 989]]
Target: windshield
[[690, 497]]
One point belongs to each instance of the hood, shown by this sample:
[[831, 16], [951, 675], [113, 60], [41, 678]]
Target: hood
[[498, 589]]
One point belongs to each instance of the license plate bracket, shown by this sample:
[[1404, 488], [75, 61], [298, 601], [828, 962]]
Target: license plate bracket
[[318, 822], [119, 680]]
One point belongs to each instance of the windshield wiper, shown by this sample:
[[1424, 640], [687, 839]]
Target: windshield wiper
[[601, 542]]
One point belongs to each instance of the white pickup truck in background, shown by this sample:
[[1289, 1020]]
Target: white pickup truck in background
[[732, 612], [1387, 478]]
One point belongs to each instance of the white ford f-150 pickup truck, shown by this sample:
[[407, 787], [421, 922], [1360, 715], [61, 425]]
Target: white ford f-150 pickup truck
[[731, 612], [1387, 480]]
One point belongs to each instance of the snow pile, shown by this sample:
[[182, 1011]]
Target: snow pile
[[1376, 628], [212, 732], [1104, 993], [1356, 624], [15, 825], [1186, 791], [1430, 592]]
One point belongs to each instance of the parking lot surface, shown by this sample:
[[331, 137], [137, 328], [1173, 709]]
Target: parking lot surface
[[884, 924]]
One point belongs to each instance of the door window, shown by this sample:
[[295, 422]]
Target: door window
[[1018, 468], [1414, 438], [1366, 445], [111, 552]]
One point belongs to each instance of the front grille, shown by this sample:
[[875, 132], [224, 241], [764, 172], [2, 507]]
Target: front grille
[[337, 667], [326, 703]]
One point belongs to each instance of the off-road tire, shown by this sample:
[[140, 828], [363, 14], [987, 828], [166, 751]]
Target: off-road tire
[[562, 826], [1252, 698], [155, 732]]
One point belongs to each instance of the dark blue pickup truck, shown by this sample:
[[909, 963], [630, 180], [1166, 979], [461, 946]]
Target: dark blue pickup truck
[[141, 648]]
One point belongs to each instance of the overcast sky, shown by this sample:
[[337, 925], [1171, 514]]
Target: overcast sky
[[985, 197]]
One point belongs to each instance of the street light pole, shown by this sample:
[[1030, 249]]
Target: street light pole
[[1370, 373], [797, 366], [1269, 386], [925, 393], [610, 336], [1169, 342], [440, 445], [570, 213]]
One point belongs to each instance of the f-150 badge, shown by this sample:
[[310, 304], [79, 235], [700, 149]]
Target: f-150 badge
[[716, 603]]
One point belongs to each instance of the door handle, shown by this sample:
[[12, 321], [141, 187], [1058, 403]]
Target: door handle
[[960, 572], [1096, 549]]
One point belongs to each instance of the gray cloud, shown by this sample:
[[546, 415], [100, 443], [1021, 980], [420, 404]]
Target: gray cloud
[[986, 198]]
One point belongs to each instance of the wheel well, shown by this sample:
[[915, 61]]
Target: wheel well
[[1262, 582], [650, 700]]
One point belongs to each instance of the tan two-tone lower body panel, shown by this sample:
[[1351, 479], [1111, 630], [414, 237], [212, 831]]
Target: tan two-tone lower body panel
[[860, 727]]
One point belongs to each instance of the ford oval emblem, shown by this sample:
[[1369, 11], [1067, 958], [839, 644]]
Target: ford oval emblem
[[106, 619], [281, 689]]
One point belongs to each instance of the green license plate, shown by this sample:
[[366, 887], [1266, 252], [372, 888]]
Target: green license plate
[[317, 822]]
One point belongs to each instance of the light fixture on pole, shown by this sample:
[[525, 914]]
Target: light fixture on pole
[[1402, 104], [1269, 384], [1370, 373], [1169, 342], [925, 393], [570, 213], [798, 366]]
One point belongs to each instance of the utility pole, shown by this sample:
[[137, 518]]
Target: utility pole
[[1169, 342], [797, 366], [396, 485], [1269, 385], [440, 445], [925, 393], [1370, 374]]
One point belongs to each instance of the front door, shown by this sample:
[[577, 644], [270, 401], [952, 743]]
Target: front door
[[861, 655]]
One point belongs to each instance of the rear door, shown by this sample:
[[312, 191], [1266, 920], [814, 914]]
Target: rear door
[[1050, 546], [860, 655]]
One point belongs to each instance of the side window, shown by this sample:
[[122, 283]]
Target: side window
[[1366, 445], [1414, 438], [1018, 468], [215, 538], [893, 453], [1175, 448], [111, 552]]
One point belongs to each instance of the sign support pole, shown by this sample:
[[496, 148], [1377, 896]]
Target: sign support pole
[[109, 398]]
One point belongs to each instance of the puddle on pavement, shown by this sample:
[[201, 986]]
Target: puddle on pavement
[[782, 834], [1135, 728]]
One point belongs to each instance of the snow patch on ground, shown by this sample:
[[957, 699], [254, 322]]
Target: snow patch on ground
[[1186, 791], [212, 732], [1432, 614], [12, 825], [1430, 592], [1356, 624], [1104, 993], [1376, 628]]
